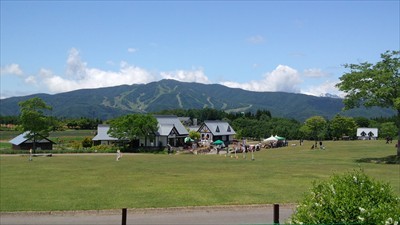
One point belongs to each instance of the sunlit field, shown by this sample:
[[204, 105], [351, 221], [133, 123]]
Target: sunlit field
[[96, 181]]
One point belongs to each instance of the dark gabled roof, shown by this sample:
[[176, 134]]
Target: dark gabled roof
[[22, 139], [217, 127], [167, 123]]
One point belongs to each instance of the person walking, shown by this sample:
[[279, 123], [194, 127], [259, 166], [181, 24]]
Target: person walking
[[119, 155], [30, 154]]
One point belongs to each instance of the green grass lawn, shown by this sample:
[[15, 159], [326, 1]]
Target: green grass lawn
[[83, 182], [66, 135]]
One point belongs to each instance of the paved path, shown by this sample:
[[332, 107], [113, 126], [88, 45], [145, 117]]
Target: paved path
[[225, 215]]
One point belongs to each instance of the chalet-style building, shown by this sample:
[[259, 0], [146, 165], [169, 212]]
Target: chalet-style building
[[22, 143], [170, 131], [212, 130]]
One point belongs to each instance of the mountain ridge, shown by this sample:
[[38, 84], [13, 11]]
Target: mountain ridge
[[111, 102]]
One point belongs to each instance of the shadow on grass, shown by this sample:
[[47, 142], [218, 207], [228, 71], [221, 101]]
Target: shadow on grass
[[391, 159]]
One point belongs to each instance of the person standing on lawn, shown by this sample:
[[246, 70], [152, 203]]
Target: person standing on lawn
[[30, 154], [119, 155]]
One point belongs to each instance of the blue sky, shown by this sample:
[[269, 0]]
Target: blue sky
[[291, 46]]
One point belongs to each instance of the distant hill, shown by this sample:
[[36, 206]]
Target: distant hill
[[111, 102]]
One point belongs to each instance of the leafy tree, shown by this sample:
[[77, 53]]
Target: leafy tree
[[361, 121], [388, 129], [263, 114], [9, 120], [288, 128], [374, 124], [72, 124], [343, 126], [315, 127], [133, 126], [194, 134], [247, 127], [33, 119], [253, 128], [83, 123], [55, 124], [374, 85]]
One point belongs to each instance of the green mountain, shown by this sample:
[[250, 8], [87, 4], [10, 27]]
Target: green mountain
[[111, 102]]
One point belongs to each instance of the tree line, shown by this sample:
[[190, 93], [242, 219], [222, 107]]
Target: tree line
[[261, 124], [58, 124], [254, 125]]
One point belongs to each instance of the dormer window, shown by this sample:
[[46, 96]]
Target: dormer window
[[217, 130], [229, 129]]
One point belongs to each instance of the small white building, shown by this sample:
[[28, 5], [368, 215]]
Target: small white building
[[366, 133], [102, 137]]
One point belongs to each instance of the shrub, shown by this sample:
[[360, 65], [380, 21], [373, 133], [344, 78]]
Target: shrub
[[87, 142], [352, 198], [76, 145]]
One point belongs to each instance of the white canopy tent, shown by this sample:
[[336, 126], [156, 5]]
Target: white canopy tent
[[270, 139]]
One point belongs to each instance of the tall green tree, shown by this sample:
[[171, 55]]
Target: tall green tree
[[361, 121], [374, 85], [33, 119], [388, 129], [315, 127], [343, 126], [133, 126]]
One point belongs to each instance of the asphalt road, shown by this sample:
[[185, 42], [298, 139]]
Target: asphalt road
[[224, 215]]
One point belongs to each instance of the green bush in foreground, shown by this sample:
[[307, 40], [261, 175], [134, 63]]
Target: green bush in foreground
[[352, 198]]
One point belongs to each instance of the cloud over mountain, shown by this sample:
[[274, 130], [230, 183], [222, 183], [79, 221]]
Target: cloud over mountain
[[283, 78], [78, 75]]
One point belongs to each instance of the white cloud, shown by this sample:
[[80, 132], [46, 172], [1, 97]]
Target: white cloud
[[257, 39], [80, 76], [283, 78], [315, 73], [196, 75], [132, 50], [96, 78], [286, 79], [12, 93], [320, 83], [75, 66], [44, 73], [12, 69], [322, 89], [30, 80]]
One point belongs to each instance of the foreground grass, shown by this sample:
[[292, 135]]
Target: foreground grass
[[71, 182]]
